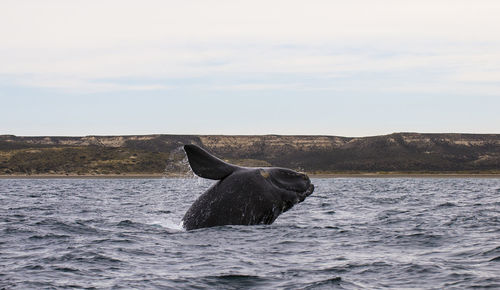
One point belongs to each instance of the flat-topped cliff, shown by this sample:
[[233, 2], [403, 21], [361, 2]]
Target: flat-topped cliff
[[398, 152]]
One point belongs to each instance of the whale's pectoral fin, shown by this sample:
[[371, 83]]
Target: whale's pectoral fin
[[206, 165]]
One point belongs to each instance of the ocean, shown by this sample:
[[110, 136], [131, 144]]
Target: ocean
[[351, 233]]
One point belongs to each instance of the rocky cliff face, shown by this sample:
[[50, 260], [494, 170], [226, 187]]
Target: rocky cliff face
[[402, 152]]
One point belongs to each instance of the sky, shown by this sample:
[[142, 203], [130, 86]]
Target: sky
[[344, 68]]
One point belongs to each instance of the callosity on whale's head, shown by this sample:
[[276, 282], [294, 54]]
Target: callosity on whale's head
[[289, 180], [242, 196]]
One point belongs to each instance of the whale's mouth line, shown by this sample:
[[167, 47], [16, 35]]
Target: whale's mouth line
[[309, 190], [306, 192]]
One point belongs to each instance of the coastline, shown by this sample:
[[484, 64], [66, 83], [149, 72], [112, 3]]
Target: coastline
[[155, 156], [85, 176], [406, 175], [322, 175]]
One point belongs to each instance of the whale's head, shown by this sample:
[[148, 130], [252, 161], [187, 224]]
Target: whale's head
[[288, 180], [295, 186]]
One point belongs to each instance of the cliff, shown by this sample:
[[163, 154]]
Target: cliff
[[399, 152]]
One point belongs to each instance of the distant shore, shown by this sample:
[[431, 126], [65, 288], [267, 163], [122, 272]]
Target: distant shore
[[158, 156], [410, 175], [398, 153], [323, 175]]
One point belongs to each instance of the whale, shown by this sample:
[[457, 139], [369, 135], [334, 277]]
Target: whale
[[242, 195]]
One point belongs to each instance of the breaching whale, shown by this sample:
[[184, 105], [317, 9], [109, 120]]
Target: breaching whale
[[242, 195]]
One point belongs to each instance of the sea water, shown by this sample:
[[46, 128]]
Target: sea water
[[350, 233]]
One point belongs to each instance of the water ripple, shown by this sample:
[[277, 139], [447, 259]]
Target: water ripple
[[350, 234]]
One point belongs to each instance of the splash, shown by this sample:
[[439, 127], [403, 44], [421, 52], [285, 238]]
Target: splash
[[169, 225], [178, 164]]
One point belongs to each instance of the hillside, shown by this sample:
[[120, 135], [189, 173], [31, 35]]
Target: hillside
[[153, 154]]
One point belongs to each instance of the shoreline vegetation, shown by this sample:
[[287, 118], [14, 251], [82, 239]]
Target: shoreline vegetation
[[162, 156]]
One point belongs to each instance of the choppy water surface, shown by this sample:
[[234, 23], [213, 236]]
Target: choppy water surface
[[351, 233]]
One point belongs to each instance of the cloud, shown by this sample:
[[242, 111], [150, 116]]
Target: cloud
[[251, 45], [91, 23], [480, 77]]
